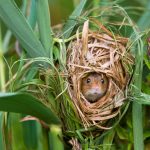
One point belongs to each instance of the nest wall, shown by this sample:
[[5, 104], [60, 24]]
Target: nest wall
[[100, 52]]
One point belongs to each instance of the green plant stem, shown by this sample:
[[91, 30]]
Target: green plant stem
[[72, 23], [44, 25], [137, 108], [55, 135], [65, 40], [137, 126], [2, 73], [32, 16], [96, 3], [2, 66], [143, 24]]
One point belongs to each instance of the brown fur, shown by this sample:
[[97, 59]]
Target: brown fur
[[94, 86]]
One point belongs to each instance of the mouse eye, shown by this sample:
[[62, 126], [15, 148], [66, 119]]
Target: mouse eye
[[102, 81], [88, 80]]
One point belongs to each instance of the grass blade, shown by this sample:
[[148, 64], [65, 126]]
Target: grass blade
[[137, 126], [108, 140], [6, 41], [55, 136], [42, 138], [144, 21], [2, 143], [15, 127], [30, 134], [43, 19], [27, 105], [144, 99], [72, 22], [137, 108], [33, 16], [17, 23]]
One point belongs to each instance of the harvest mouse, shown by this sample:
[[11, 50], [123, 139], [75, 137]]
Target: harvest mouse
[[94, 86]]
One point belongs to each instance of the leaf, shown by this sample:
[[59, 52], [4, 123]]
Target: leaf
[[30, 134], [16, 132], [137, 126], [32, 16], [136, 107], [6, 41], [17, 23], [146, 134], [55, 136], [69, 26], [56, 53], [43, 18], [7, 37], [1, 130], [143, 99], [144, 21], [27, 104], [122, 133], [42, 138], [147, 61], [108, 140], [24, 7]]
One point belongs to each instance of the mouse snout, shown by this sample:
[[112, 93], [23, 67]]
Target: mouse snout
[[95, 91], [93, 94]]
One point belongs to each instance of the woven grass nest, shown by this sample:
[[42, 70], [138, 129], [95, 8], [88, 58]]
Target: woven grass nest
[[103, 53]]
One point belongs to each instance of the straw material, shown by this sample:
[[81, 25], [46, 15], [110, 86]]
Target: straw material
[[75, 144], [103, 53]]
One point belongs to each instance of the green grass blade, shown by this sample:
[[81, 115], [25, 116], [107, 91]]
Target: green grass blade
[[69, 26], [55, 136], [137, 126], [122, 133], [27, 104], [17, 23], [2, 66], [24, 7], [16, 131], [32, 17], [43, 19], [108, 140], [6, 41], [2, 144], [144, 21], [42, 137], [8, 34], [137, 108], [30, 134], [144, 99]]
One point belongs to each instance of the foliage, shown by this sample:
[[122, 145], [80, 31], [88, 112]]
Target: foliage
[[31, 83]]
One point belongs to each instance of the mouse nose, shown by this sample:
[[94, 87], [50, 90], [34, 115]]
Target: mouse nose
[[96, 91]]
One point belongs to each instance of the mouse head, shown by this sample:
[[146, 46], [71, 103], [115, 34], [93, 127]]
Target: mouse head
[[94, 86]]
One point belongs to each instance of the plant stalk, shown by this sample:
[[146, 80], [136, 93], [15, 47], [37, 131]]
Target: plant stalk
[[2, 66]]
